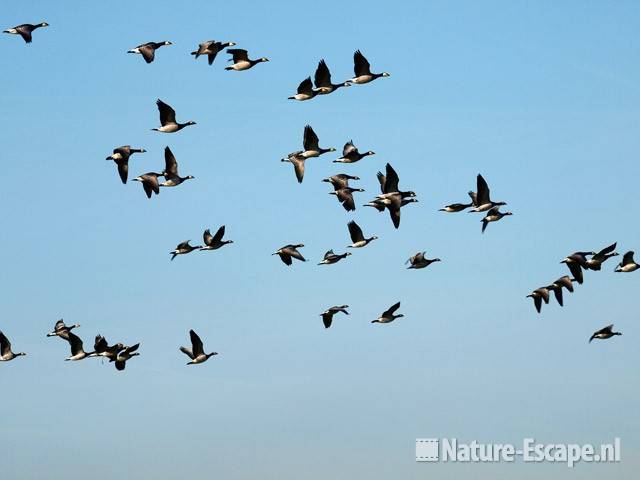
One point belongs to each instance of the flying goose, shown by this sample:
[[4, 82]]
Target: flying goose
[[341, 180], [184, 248], [170, 173], [148, 50], [388, 315], [362, 70], [241, 60], [25, 30], [123, 355], [304, 92], [604, 333], [323, 80], [627, 264], [483, 202], [103, 349], [331, 258], [213, 242], [596, 261], [378, 205], [493, 215], [389, 183], [168, 119], [420, 261], [538, 296], [576, 262], [474, 198], [456, 207], [350, 154], [345, 197], [392, 202], [211, 48], [327, 315], [297, 160], [196, 352], [5, 349], [121, 156], [288, 252], [557, 286], [149, 182], [357, 237], [61, 330], [77, 351], [310, 144]]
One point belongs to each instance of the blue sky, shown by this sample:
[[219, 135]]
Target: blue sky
[[542, 99]]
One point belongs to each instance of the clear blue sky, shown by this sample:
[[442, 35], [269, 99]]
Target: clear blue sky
[[541, 98]]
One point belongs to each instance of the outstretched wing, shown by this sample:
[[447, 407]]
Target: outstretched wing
[[171, 165], [391, 180], [123, 171], [167, 114], [606, 250], [219, 234], [239, 55], [482, 195], [5, 344], [391, 310], [147, 52], [346, 199], [348, 148], [187, 352], [196, 344], [310, 140], [323, 75], [383, 180], [305, 87], [360, 64], [207, 237], [355, 231], [576, 271]]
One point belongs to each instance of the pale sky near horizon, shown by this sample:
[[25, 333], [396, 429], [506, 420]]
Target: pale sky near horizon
[[540, 97]]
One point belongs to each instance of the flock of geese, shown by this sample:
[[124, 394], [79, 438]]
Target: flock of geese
[[118, 353], [390, 198], [577, 262]]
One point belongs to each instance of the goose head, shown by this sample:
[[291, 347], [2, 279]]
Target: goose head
[[263, 59], [386, 74], [44, 24], [167, 43]]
